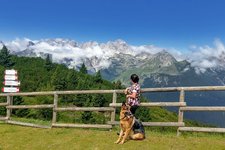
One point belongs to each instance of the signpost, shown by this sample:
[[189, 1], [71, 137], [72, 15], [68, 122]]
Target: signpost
[[11, 80], [10, 89], [10, 77], [11, 83], [10, 72]]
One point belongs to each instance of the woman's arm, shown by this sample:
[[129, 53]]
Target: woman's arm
[[133, 95]]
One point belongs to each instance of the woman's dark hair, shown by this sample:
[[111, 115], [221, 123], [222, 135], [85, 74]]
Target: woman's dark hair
[[134, 78]]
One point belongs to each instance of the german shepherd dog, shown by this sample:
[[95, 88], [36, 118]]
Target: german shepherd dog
[[130, 127]]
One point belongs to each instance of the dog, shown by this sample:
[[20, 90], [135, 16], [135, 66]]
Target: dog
[[130, 126]]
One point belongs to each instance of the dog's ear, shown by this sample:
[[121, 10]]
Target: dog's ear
[[123, 103]]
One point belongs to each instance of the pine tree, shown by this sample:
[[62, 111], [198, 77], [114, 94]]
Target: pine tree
[[5, 58], [118, 85], [48, 63], [58, 79], [83, 69], [72, 80], [98, 77]]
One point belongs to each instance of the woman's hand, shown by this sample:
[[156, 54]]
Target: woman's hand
[[133, 95], [126, 91]]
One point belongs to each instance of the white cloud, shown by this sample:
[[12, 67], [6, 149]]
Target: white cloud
[[17, 44], [201, 57], [205, 57], [146, 48]]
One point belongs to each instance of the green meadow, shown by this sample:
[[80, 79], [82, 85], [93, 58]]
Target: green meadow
[[21, 138]]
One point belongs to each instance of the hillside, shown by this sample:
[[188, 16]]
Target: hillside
[[16, 137]]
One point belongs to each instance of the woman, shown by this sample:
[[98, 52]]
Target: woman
[[133, 94]]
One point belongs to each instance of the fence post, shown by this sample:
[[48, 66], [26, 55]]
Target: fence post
[[181, 113], [54, 115], [113, 113], [8, 110]]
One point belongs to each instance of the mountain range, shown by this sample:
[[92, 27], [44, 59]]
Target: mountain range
[[157, 67]]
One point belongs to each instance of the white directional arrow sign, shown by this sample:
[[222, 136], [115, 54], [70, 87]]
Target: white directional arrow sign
[[10, 77], [11, 83], [10, 89], [10, 72], [11, 80]]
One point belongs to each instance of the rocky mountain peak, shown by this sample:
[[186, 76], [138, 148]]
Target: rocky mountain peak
[[164, 58], [89, 44], [59, 42], [144, 55], [30, 43], [118, 46]]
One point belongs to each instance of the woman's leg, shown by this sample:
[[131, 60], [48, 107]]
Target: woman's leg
[[133, 109]]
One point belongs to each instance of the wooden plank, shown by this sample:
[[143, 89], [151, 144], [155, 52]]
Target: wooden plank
[[54, 115], [101, 126], [3, 104], [165, 89], [158, 124], [27, 124], [202, 108], [8, 110], [85, 109], [201, 129], [153, 104], [113, 113], [181, 100], [203, 88], [3, 118], [164, 124], [29, 106], [62, 92], [87, 92]]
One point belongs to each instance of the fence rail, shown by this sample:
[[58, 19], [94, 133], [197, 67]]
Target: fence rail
[[28, 106], [197, 108], [112, 108], [84, 109]]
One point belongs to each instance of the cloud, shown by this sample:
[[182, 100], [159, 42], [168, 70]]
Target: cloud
[[146, 48], [78, 55], [205, 57], [18, 44], [98, 56]]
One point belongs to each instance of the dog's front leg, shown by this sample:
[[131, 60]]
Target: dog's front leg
[[127, 132], [120, 136]]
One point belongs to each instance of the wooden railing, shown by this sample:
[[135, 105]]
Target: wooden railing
[[112, 107]]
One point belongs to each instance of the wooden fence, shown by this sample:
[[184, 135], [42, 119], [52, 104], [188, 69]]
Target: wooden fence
[[112, 108]]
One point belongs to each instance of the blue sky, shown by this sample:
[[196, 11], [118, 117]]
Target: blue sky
[[164, 23]]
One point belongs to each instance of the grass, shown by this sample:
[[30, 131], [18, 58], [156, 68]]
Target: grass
[[30, 120], [17, 137]]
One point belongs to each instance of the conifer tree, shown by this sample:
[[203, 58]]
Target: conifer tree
[[83, 69], [48, 63], [5, 58], [58, 79], [98, 77]]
